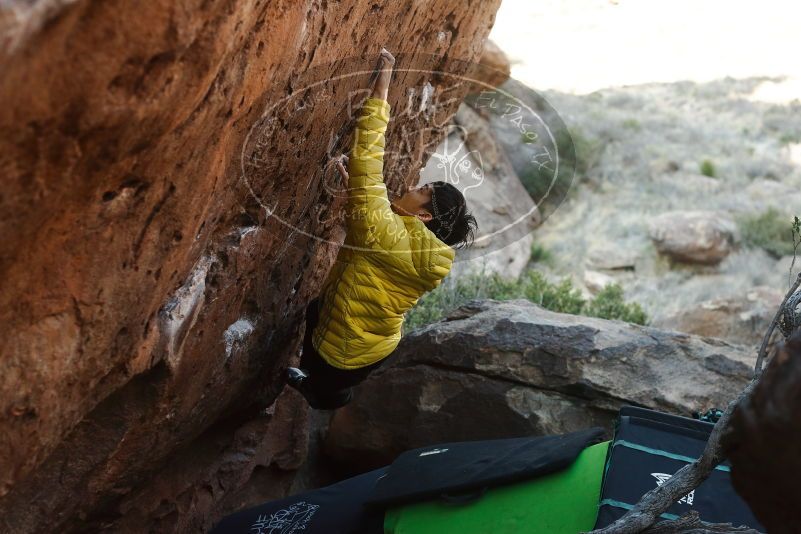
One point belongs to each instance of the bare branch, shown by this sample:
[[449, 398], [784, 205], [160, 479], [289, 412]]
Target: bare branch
[[763, 349], [796, 243], [690, 523]]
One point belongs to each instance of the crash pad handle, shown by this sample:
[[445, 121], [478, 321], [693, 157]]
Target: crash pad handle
[[466, 498]]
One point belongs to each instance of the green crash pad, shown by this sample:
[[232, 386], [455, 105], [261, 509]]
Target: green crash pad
[[565, 502]]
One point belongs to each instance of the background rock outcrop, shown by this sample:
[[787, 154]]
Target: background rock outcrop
[[162, 234], [497, 68], [505, 369], [694, 236], [742, 319]]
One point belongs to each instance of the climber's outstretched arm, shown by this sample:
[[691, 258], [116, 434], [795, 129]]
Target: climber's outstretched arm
[[381, 87], [371, 222]]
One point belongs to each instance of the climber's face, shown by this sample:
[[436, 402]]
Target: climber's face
[[412, 202]]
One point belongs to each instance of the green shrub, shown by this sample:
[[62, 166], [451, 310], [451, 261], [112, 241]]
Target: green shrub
[[632, 124], [539, 180], [453, 293], [708, 168], [588, 151], [609, 304], [540, 254], [434, 305], [789, 138], [498, 288], [768, 231], [561, 297], [532, 285]]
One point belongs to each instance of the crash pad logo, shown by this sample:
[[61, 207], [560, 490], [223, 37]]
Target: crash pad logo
[[497, 145], [433, 451], [286, 521], [661, 478]]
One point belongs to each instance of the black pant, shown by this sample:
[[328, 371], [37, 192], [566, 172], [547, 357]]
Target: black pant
[[328, 387]]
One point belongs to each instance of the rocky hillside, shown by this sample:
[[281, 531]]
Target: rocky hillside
[[685, 196], [166, 216]]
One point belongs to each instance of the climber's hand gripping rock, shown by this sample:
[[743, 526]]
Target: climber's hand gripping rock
[[342, 161]]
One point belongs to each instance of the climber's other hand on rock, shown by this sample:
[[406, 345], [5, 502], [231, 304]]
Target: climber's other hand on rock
[[342, 171]]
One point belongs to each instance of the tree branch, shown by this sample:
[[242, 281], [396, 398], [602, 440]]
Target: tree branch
[[763, 349], [690, 523]]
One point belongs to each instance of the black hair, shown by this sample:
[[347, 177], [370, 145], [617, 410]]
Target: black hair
[[450, 222]]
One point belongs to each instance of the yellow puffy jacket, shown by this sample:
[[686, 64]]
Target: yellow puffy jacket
[[386, 264]]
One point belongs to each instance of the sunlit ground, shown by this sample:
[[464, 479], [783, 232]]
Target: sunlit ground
[[580, 46]]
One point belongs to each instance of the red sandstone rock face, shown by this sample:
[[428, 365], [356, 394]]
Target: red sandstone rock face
[[148, 300]]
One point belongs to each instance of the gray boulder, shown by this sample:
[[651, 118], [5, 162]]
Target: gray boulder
[[742, 319], [694, 236], [502, 369]]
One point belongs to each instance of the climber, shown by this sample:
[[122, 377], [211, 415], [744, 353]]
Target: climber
[[394, 252]]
